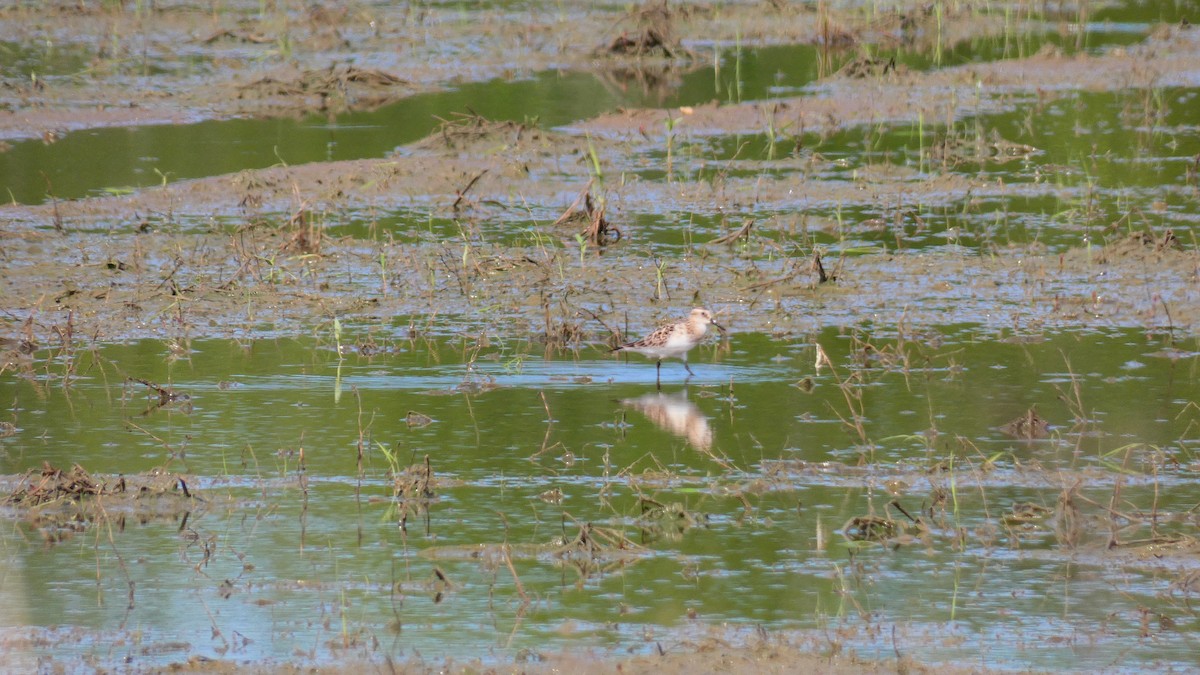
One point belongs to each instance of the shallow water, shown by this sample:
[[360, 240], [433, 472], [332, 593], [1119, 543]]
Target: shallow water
[[114, 160], [1073, 170], [1095, 168], [304, 559]]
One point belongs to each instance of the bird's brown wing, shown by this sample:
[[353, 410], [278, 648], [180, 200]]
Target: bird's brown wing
[[659, 334]]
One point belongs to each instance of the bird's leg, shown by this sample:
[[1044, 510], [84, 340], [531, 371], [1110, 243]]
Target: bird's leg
[[658, 375], [688, 368]]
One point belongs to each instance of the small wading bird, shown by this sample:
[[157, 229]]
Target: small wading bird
[[673, 339]]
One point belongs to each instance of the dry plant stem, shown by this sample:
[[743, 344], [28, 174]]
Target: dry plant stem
[[395, 587], [507, 549], [1075, 400], [546, 445], [471, 414], [791, 274], [615, 334], [172, 453], [302, 471], [1167, 311], [132, 585], [741, 232], [854, 403], [1112, 512], [1068, 519], [463, 193], [821, 276], [525, 602], [1154, 505], [1112, 502], [362, 436], [579, 199]]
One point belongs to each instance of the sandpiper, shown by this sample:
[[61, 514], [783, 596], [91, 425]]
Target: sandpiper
[[673, 339]]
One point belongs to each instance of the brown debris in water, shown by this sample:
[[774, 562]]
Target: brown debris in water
[[417, 420], [953, 149], [413, 491], [650, 41], [166, 395], [1140, 244], [237, 36], [654, 35], [669, 521], [742, 232], [465, 128], [1029, 426], [51, 484], [59, 504], [597, 230], [560, 333], [16, 346], [306, 235], [885, 529], [416, 483], [1025, 513], [869, 528], [1158, 547], [798, 269], [1151, 251], [592, 543], [338, 87], [655, 79], [865, 66]]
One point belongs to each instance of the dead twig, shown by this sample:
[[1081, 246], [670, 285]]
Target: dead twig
[[598, 231], [463, 192], [741, 232]]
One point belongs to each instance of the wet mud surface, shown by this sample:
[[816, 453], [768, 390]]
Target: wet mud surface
[[240, 254], [508, 249], [159, 263]]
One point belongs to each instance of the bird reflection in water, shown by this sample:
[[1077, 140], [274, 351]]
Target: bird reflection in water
[[676, 414]]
